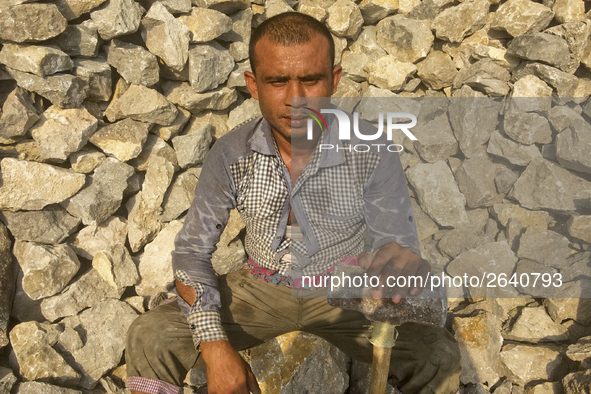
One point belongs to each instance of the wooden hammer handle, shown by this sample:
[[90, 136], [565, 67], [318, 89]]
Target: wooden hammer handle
[[380, 368]]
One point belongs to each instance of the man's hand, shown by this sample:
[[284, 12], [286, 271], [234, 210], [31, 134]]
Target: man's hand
[[393, 260], [227, 372]]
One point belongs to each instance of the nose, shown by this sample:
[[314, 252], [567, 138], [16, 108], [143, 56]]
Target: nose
[[296, 94]]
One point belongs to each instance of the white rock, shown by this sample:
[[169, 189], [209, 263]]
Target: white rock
[[94, 239], [142, 104], [344, 18], [36, 59], [117, 18], [389, 73], [206, 24], [123, 140]]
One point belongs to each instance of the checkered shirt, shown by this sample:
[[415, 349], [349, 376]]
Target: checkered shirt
[[342, 201]]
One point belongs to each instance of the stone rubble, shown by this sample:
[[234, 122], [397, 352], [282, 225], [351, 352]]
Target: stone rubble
[[109, 108]]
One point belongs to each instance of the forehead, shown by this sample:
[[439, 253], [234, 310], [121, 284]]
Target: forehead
[[310, 57]]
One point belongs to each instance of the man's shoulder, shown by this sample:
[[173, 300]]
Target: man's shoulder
[[234, 144]]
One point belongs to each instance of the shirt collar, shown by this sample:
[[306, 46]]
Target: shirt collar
[[262, 141]]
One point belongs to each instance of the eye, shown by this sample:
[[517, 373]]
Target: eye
[[310, 82], [278, 83]]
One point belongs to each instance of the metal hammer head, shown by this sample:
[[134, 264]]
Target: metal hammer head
[[429, 307]]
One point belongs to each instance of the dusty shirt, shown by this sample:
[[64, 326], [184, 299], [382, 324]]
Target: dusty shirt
[[344, 200]]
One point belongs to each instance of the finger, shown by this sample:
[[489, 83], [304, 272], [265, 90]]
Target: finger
[[253, 385], [364, 260], [387, 281], [423, 272], [382, 257]]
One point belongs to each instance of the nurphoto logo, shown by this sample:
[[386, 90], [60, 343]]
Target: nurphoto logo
[[345, 129]]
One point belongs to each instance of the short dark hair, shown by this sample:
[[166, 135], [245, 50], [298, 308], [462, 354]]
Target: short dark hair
[[289, 28]]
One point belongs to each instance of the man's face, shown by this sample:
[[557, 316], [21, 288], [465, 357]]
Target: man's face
[[287, 77]]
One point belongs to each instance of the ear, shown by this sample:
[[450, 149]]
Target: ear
[[337, 72], [251, 84]]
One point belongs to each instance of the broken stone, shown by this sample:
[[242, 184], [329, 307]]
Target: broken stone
[[16, 26], [576, 34], [577, 309], [518, 17], [32, 186], [43, 388], [514, 152], [533, 325], [572, 146], [143, 225], [206, 24], [374, 11], [94, 239], [7, 290], [437, 71], [154, 146], [579, 226], [79, 40], [7, 380], [473, 121], [60, 132], [173, 6], [209, 66], [457, 22], [564, 83], [73, 9], [50, 226], [229, 258], [527, 127], [97, 75], [480, 342], [544, 246], [344, 18], [577, 382], [353, 64], [32, 344], [438, 193], [498, 55], [475, 179], [561, 117], [218, 120], [117, 18], [240, 34], [435, 139], [247, 110], [85, 160], [168, 132], [347, 95], [319, 367], [529, 363], [494, 257], [536, 219], [544, 185], [116, 267], [181, 93], [103, 196], [166, 37], [47, 269], [105, 327], [63, 90], [389, 73], [143, 105], [314, 9], [78, 297], [18, 114], [35, 59], [580, 351], [505, 180], [236, 78], [192, 148], [407, 40], [542, 47], [462, 239], [569, 10], [367, 43], [134, 63], [123, 140], [485, 75], [179, 196], [226, 6], [155, 266]]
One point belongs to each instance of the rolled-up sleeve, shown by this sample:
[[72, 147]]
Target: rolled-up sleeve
[[194, 245]]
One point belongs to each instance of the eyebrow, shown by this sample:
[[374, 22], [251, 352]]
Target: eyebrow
[[307, 77]]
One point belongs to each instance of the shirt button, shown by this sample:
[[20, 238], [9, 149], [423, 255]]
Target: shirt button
[[193, 326], [410, 218], [218, 226], [278, 238]]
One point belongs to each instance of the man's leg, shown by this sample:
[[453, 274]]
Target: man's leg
[[424, 360], [160, 347]]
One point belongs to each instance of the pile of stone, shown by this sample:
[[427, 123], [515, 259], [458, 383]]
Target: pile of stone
[[109, 107]]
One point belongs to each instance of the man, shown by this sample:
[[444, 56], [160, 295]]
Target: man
[[294, 227]]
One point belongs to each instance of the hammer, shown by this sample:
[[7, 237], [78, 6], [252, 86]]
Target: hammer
[[428, 307]]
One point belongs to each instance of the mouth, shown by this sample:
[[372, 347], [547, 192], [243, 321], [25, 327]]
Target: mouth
[[297, 121]]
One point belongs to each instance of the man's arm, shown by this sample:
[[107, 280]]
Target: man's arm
[[391, 229], [196, 281]]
